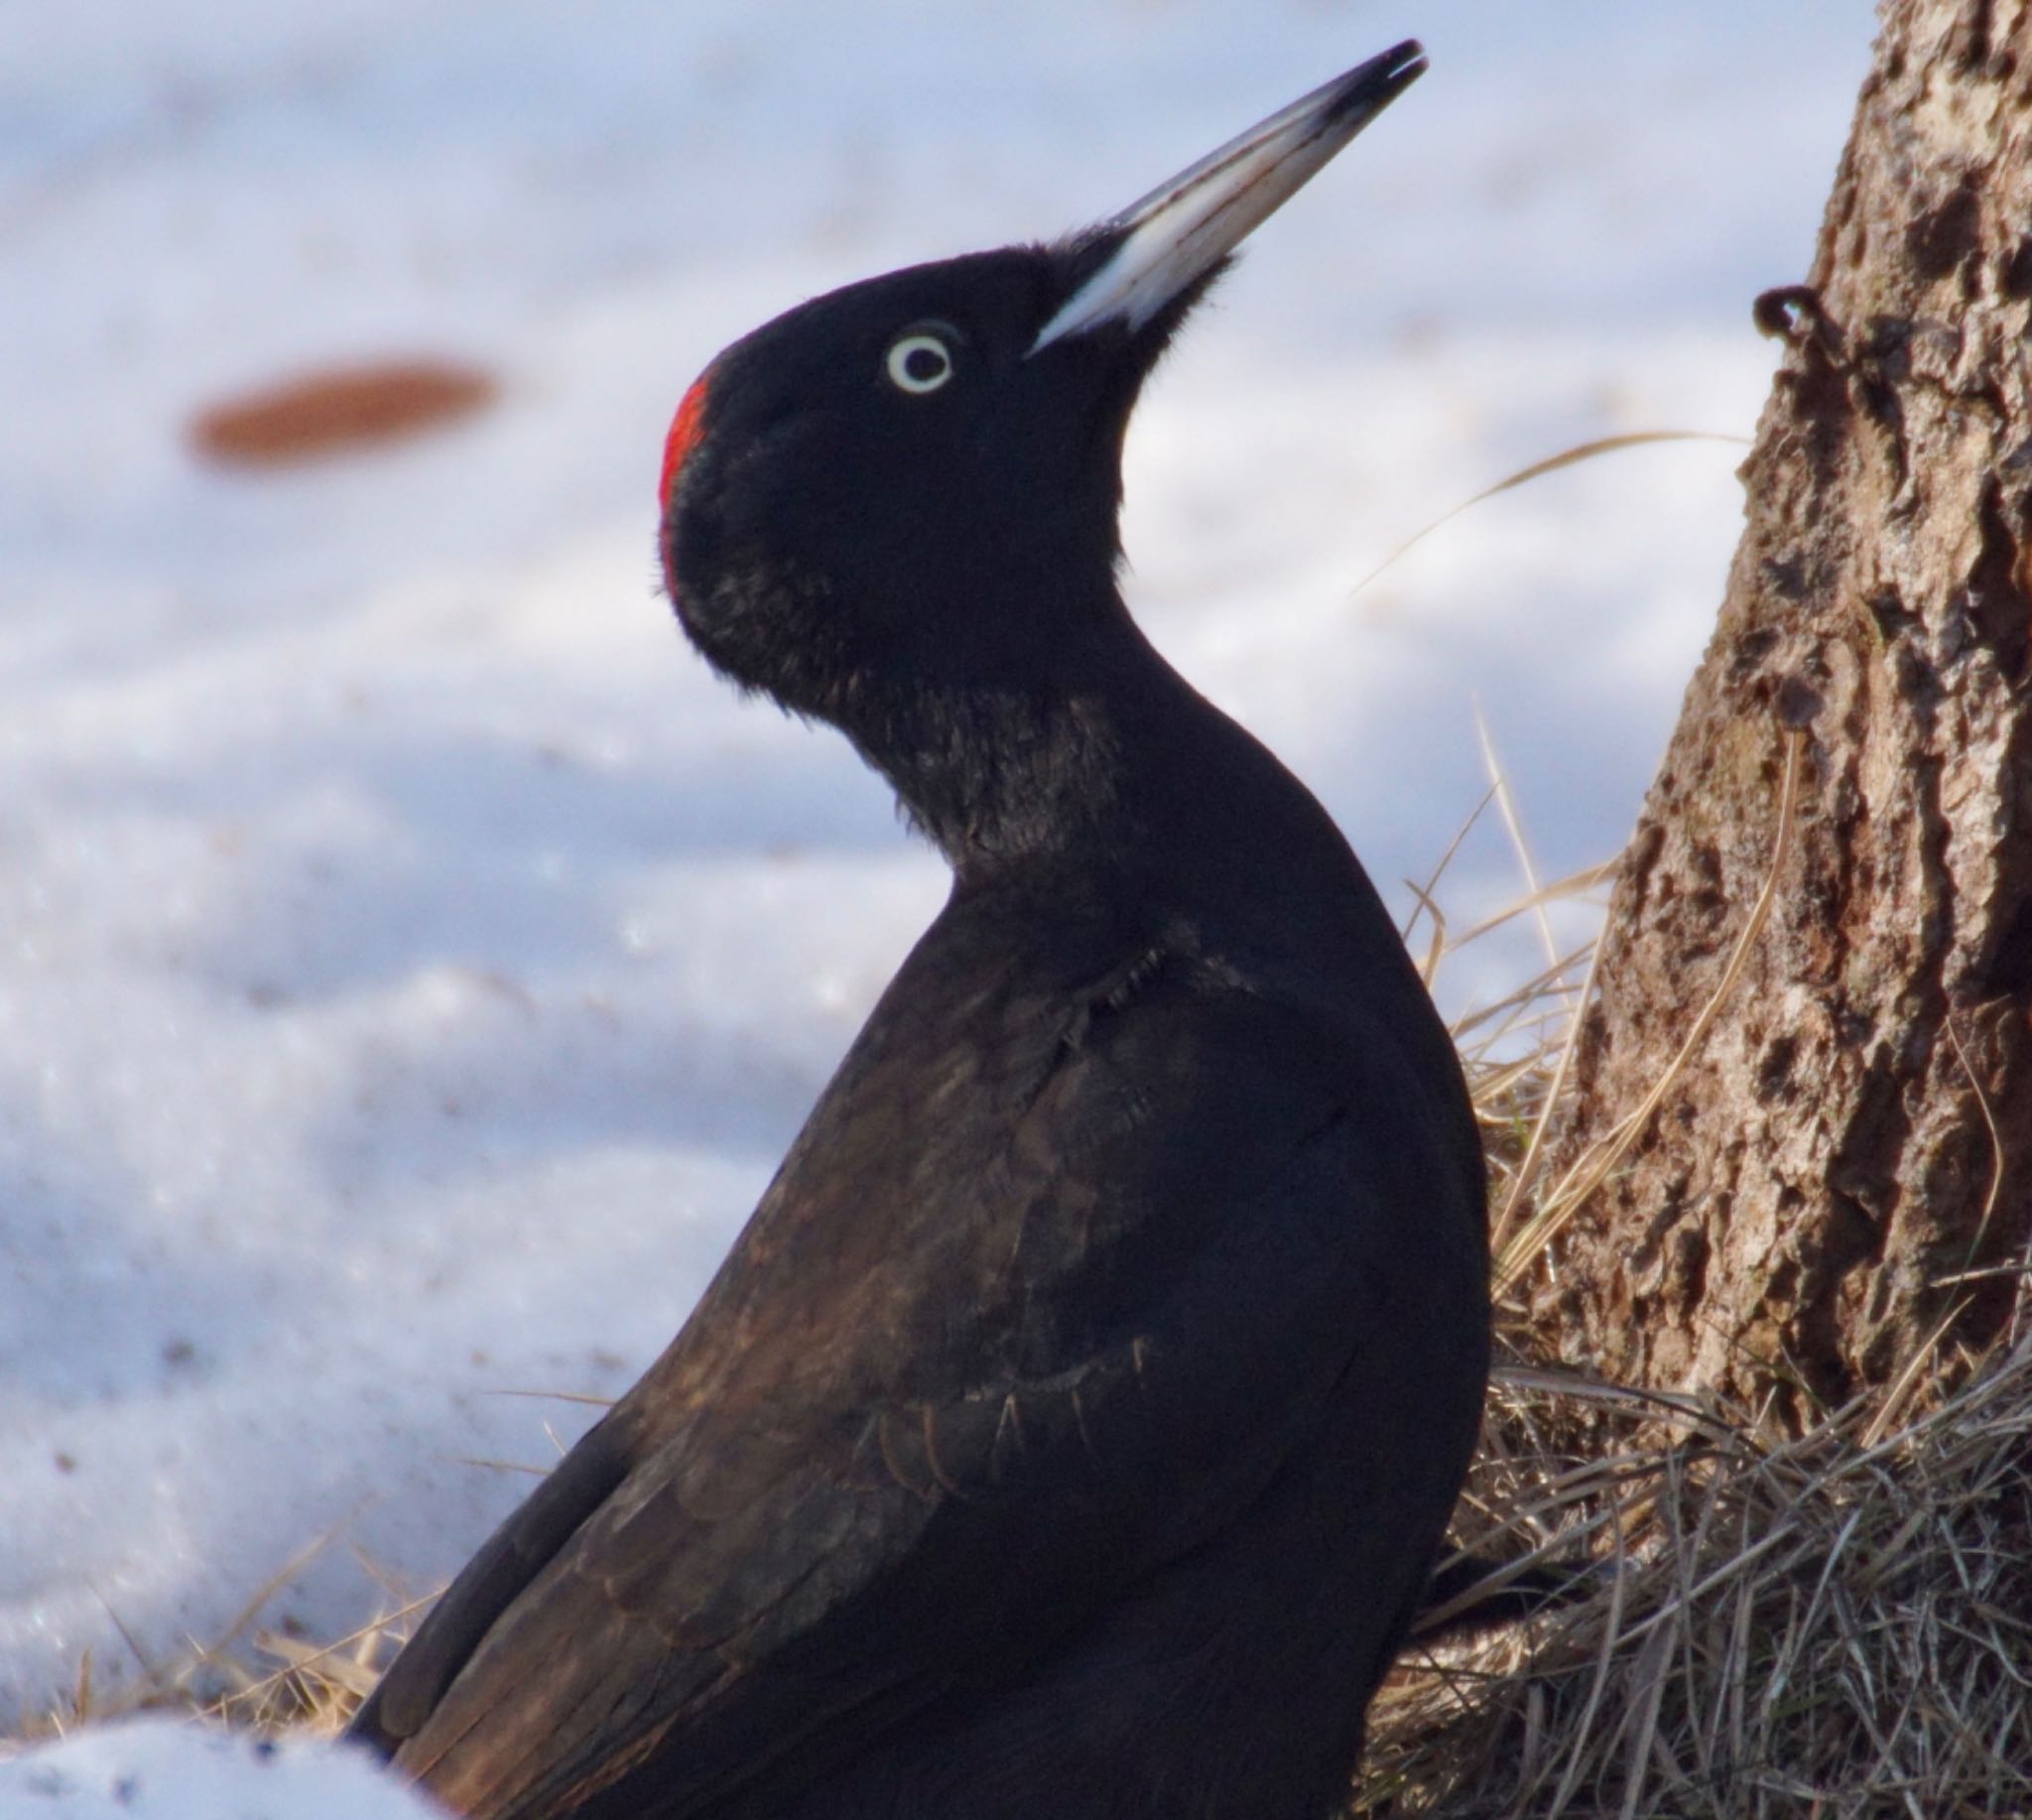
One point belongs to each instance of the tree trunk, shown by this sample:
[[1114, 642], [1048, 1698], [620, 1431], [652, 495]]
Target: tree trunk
[[1850, 1138]]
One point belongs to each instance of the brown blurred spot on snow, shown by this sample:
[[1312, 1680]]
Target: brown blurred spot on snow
[[337, 411]]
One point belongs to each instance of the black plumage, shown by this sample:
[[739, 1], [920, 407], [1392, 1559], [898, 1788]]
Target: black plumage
[[1072, 1428]]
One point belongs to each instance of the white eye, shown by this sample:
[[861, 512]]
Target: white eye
[[919, 362]]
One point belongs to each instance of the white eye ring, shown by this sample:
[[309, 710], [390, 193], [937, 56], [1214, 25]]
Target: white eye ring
[[919, 363]]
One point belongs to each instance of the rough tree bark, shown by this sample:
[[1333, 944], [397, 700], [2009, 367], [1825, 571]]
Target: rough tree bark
[[1853, 1130]]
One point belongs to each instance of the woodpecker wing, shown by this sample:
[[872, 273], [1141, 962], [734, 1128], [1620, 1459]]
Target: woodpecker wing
[[1051, 1313]]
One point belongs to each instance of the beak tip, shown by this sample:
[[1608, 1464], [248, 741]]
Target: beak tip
[[1373, 85]]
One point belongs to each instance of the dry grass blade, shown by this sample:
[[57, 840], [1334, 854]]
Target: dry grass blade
[[1424, 893], [500, 1466], [1996, 1141], [1525, 1172], [1592, 1169], [1575, 885], [318, 1685], [1513, 826], [1566, 457]]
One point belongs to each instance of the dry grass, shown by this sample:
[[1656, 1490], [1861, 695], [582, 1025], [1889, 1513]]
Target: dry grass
[[1838, 1624], [258, 1679]]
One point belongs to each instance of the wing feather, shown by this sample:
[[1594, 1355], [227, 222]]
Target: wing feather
[[868, 1473]]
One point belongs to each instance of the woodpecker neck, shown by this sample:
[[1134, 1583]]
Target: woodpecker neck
[[993, 774], [993, 769]]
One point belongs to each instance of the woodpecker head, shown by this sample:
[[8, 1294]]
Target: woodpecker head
[[919, 475]]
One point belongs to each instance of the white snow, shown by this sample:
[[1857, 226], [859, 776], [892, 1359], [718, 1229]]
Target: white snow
[[412, 962], [174, 1769]]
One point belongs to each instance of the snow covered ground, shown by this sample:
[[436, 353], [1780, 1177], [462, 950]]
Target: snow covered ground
[[410, 963], [168, 1769]]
